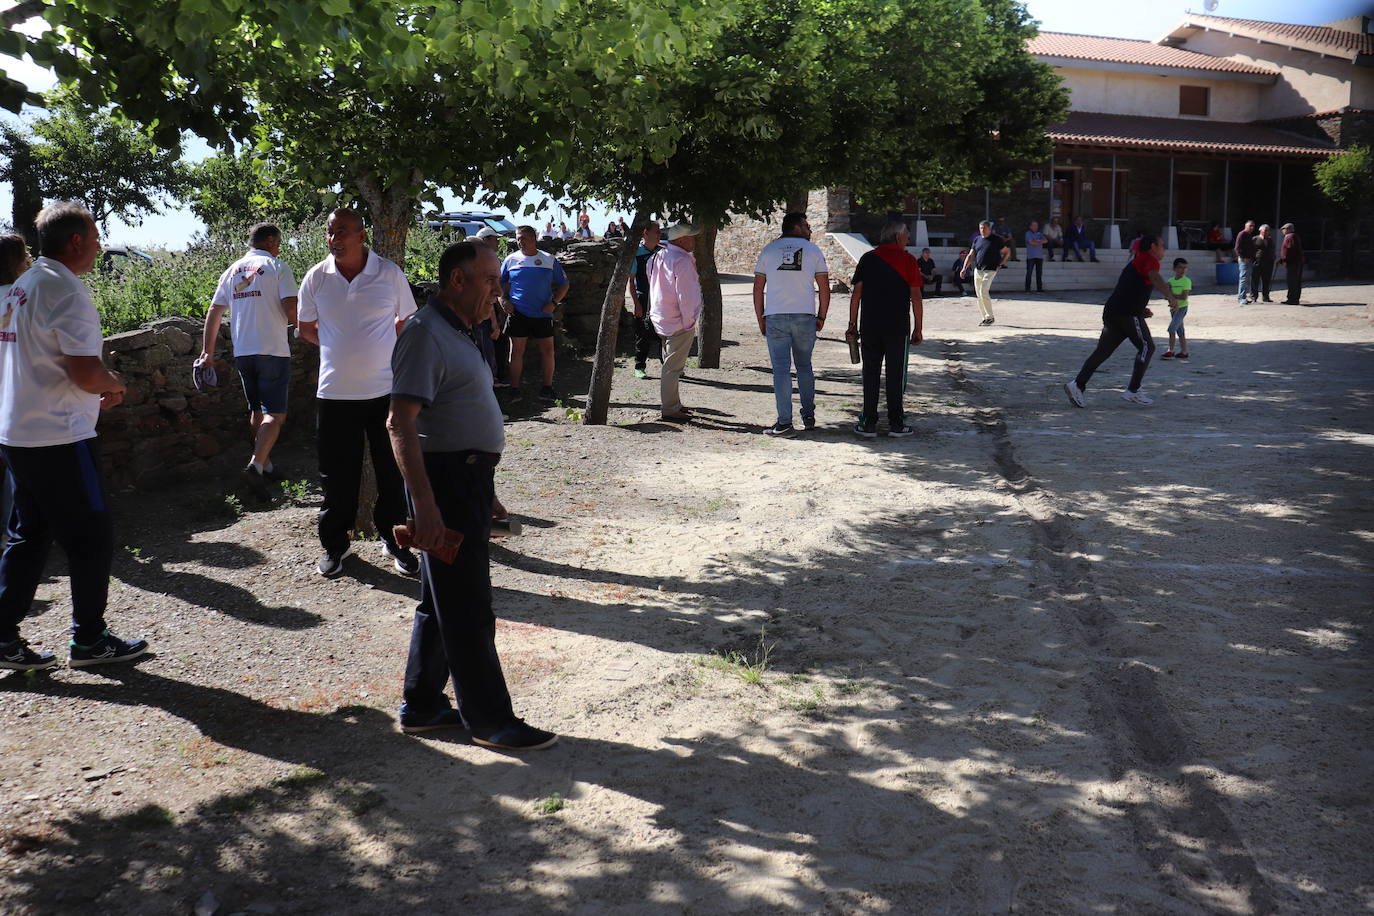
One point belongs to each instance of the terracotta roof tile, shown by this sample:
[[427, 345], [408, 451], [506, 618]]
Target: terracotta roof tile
[[1337, 42], [1132, 51], [1176, 134]]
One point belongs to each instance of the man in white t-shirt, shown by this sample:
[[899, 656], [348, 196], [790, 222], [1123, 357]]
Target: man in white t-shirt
[[53, 385], [353, 304], [259, 292], [787, 276]]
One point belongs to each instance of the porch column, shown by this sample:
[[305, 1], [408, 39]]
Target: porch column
[[1170, 232], [1113, 239], [1050, 184], [1278, 200], [1225, 195]]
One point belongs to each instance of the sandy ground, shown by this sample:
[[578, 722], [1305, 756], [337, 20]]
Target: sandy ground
[[1033, 659]]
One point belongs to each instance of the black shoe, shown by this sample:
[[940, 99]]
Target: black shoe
[[108, 648], [808, 423], [515, 735], [548, 394], [900, 430], [406, 562], [274, 475], [1267, 299], [780, 430], [256, 483], [17, 656], [866, 428], [414, 722], [985, 322], [331, 565]]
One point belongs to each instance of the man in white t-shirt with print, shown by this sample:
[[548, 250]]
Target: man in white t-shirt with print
[[53, 385], [353, 304], [787, 276], [259, 292]]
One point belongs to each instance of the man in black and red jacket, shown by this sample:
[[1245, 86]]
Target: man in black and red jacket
[[1123, 318], [887, 283]]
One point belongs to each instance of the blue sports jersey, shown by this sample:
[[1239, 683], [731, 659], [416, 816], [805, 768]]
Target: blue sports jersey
[[532, 279]]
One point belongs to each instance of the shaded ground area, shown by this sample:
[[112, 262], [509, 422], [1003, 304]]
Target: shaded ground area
[[1034, 659]]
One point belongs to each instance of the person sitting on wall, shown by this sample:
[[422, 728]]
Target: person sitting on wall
[[1003, 229], [957, 270], [928, 270], [1216, 241], [1076, 239], [1054, 238]]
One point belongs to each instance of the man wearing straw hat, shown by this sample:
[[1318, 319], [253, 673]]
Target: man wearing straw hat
[[674, 307]]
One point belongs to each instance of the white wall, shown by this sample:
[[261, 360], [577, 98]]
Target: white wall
[[1157, 96], [1309, 83]]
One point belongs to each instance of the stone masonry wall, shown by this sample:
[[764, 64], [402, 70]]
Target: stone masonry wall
[[165, 427], [738, 244]]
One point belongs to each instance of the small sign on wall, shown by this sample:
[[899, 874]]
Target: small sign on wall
[[1037, 178], [1087, 185]]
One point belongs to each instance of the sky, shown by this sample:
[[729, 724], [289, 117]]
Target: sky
[[1140, 19]]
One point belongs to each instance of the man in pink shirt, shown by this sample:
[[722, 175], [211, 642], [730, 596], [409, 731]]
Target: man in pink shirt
[[674, 307]]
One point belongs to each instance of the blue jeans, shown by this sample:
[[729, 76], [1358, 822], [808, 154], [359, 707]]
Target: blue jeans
[[1176, 321], [792, 337], [1246, 288]]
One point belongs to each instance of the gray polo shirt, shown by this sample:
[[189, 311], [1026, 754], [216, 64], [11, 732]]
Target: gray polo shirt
[[439, 365]]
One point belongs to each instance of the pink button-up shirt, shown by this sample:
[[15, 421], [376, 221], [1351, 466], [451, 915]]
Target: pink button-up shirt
[[674, 291]]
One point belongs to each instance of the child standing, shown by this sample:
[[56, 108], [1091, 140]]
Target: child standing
[[1180, 284]]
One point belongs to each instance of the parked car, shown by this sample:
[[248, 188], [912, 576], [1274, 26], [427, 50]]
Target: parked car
[[120, 256], [469, 222]]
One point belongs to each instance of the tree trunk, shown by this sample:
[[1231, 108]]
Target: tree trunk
[[712, 303], [607, 332], [392, 211]]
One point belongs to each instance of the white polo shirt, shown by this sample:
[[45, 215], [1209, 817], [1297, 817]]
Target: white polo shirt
[[252, 290], [357, 325], [790, 265], [45, 316]]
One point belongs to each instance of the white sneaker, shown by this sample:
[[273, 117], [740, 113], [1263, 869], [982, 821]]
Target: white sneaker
[[1137, 397], [1074, 392]]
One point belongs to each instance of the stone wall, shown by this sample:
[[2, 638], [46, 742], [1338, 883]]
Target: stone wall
[[738, 244], [165, 427]]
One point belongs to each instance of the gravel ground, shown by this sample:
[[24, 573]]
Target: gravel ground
[[1034, 659]]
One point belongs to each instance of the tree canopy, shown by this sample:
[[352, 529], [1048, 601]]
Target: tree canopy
[[79, 152], [230, 191]]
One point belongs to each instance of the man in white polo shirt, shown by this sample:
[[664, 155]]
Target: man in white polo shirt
[[53, 385], [259, 292], [353, 304], [787, 275]]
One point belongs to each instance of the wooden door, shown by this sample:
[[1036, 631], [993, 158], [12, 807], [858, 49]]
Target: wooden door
[[1062, 201]]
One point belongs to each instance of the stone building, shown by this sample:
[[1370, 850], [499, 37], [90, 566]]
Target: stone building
[[1217, 120]]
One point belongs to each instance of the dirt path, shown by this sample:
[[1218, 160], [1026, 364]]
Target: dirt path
[[1034, 659]]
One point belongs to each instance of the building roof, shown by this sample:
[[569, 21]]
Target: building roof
[[1133, 51], [1320, 39], [1176, 135]]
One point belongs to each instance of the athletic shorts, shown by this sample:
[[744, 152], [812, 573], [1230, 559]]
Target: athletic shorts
[[525, 326], [266, 380]]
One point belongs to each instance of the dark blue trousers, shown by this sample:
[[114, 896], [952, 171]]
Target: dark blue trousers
[[58, 496], [454, 634]]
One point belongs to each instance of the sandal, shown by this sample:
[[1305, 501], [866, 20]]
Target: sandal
[[1168, 354]]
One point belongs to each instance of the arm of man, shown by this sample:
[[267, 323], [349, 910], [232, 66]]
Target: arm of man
[[90, 375], [308, 317], [1162, 285], [917, 315], [854, 308], [428, 532], [210, 336], [288, 308], [823, 299], [310, 331], [760, 282], [558, 295], [634, 295]]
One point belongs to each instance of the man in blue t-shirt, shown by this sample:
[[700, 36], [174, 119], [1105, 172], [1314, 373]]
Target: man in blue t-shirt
[[533, 284], [647, 342]]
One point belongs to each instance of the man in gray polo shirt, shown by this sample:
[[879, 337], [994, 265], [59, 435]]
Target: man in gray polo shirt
[[447, 434]]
